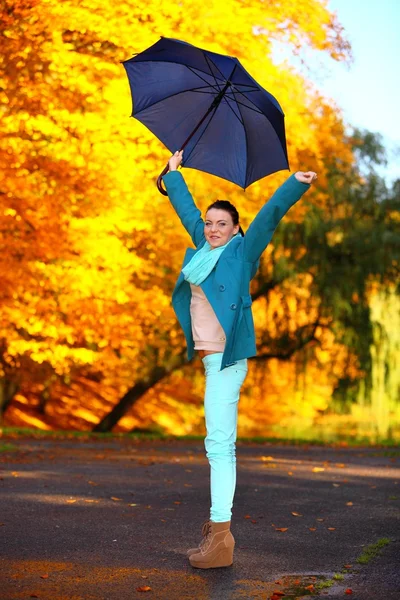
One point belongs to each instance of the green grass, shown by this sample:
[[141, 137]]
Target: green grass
[[30, 431], [327, 583], [158, 435], [372, 551], [389, 453], [8, 448]]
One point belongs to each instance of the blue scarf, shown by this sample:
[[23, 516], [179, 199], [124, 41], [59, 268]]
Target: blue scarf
[[202, 263]]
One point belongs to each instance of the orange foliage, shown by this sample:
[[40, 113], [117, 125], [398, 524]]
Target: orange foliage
[[93, 250]]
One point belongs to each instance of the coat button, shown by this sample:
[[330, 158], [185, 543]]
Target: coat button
[[233, 307], [222, 288]]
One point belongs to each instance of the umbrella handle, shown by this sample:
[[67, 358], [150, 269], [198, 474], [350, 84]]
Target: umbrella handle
[[160, 187]]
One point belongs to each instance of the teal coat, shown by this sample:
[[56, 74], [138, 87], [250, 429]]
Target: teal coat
[[227, 287]]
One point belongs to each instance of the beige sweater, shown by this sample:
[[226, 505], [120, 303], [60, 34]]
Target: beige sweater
[[206, 329]]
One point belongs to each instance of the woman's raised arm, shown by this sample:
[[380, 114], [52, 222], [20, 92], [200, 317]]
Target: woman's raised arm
[[261, 229], [182, 200]]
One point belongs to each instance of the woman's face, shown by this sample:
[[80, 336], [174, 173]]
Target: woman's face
[[219, 227]]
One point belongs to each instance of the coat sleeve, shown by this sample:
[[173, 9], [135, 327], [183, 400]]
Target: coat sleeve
[[261, 229], [182, 201]]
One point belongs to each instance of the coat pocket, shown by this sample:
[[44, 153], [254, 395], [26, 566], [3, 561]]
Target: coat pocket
[[247, 316]]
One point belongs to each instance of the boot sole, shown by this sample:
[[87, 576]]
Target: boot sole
[[223, 559]]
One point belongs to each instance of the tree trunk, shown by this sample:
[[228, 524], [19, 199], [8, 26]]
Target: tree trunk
[[45, 394], [8, 389], [134, 394]]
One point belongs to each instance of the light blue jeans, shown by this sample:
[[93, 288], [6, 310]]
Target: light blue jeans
[[221, 410]]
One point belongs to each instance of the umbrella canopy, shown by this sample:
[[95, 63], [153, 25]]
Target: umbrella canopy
[[210, 105]]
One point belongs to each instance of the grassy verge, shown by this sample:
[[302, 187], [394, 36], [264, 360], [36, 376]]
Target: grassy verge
[[159, 435], [372, 551], [8, 448]]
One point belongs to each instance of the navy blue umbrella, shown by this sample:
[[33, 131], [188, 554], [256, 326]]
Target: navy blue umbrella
[[209, 105]]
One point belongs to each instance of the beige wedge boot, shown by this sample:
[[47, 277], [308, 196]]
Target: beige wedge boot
[[216, 549]]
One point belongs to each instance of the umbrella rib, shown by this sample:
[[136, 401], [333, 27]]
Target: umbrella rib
[[234, 85], [256, 109], [253, 87], [201, 135], [238, 117], [163, 100], [211, 71], [247, 146], [218, 69], [217, 89]]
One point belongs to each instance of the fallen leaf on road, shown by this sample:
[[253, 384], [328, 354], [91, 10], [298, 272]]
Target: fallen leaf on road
[[91, 500], [278, 593], [349, 591], [93, 483], [115, 498], [253, 521], [310, 587], [133, 505], [347, 566], [188, 470], [143, 588], [177, 502], [318, 469], [340, 465], [290, 473], [265, 458], [71, 501], [247, 517], [295, 514], [336, 484], [349, 504], [331, 528], [312, 528], [45, 576], [278, 582], [281, 528], [320, 520], [187, 484], [14, 473]]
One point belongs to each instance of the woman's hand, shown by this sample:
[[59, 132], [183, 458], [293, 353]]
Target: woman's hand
[[175, 160], [305, 177]]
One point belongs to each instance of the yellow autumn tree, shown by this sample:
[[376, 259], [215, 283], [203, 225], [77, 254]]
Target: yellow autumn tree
[[92, 249]]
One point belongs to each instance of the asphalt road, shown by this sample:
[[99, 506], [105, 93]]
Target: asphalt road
[[98, 520]]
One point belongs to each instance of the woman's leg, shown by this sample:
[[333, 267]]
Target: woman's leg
[[221, 409]]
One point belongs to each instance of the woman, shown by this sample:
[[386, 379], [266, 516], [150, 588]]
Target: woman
[[213, 304]]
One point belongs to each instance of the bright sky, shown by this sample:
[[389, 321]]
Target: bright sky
[[368, 91]]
